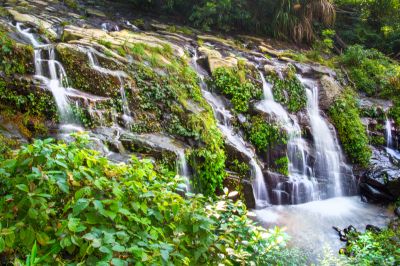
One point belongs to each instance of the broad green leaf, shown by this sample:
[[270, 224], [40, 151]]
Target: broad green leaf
[[23, 187], [80, 205], [118, 248], [2, 244]]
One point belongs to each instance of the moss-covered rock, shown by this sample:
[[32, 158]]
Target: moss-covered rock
[[85, 78]]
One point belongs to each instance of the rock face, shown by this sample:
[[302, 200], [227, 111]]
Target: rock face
[[330, 89], [216, 60], [381, 183], [244, 187]]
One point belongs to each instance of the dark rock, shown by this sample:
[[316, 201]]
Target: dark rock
[[233, 153], [373, 228], [234, 183], [381, 182], [397, 211], [374, 195]]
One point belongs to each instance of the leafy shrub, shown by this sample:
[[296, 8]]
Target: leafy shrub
[[375, 248], [231, 83], [289, 91], [352, 134], [371, 71], [263, 135], [81, 208]]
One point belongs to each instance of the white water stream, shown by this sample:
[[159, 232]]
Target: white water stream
[[388, 131], [327, 157], [50, 72], [121, 75], [301, 186], [223, 117]]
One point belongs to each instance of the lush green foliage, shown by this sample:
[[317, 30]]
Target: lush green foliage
[[290, 19], [15, 59], [352, 134], [234, 84], [371, 71], [289, 91], [372, 23], [79, 207], [264, 135], [375, 248]]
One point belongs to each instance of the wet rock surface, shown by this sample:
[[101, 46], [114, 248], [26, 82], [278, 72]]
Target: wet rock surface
[[381, 182]]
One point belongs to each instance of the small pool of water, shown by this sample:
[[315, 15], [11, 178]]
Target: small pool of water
[[310, 225]]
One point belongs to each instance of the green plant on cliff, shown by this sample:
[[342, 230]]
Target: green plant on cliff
[[65, 204], [352, 134], [234, 84], [14, 58], [289, 91], [264, 135]]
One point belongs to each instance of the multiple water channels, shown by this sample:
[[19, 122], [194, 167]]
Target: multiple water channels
[[316, 195], [320, 190], [53, 76]]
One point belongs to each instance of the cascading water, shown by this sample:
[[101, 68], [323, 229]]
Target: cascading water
[[224, 116], [388, 131], [327, 151], [94, 63], [301, 184], [50, 72], [183, 167]]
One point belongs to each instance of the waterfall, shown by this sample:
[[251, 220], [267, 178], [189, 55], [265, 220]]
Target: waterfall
[[388, 130], [50, 72], [223, 117], [183, 168], [301, 184], [94, 63], [327, 151]]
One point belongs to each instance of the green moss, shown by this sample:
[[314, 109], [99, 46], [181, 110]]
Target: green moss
[[20, 95], [15, 58], [352, 134], [234, 84], [377, 140], [105, 43], [82, 77], [289, 91]]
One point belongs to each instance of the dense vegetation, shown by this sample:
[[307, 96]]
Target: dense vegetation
[[374, 24], [234, 84], [345, 116], [373, 247], [66, 203], [371, 23], [285, 18]]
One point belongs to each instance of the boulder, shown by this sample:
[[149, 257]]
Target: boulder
[[216, 60], [381, 182], [246, 192], [268, 50], [269, 70], [33, 21], [329, 91]]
